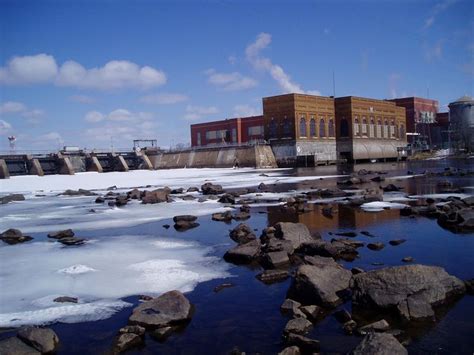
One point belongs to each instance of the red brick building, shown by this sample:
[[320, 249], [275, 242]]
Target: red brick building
[[225, 132], [420, 113]]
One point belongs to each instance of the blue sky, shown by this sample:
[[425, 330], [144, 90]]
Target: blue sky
[[96, 73]]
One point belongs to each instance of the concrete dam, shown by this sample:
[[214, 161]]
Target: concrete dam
[[69, 163]]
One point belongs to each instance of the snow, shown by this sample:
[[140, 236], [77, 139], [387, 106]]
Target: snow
[[441, 195], [378, 206]]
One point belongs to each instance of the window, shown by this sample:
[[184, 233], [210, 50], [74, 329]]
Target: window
[[385, 129], [273, 128], [364, 126], [303, 127], [344, 130], [255, 130], [331, 128], [211, 135], [402, 132], [312, 127], [392, 129], [379, 129], [234, 135], [396, 131], [322, 128], [286, 127], [371, 127], [356, 127], [199, 138]]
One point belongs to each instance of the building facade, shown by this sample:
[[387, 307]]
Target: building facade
[[421, 114], [369, 129], [461, 115], [233, 131], [439, 131], [300, 127]]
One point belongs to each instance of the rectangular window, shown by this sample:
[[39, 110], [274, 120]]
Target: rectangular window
[[211, 135], [199, 138], [255, 130], [234, 135]]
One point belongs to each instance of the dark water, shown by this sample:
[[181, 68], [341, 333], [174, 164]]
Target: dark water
[[247, 315]]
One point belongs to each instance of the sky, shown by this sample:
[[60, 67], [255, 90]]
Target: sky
[[98, 74]]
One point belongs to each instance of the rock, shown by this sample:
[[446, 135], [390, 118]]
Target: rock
[[166, 226], [408, 259], [272, 276], [14, 346], [222, 216], [220, 287], [379, 344], [298, 326], [156, 196], [192, 189], [349, 242], [349, 327], [171, 308], [409, 289], [320, 284], [44, 340], [274, 244], [379, 326], [177, 191], [296, 233], [188, 198], [100, 199], [291, 350], [185, 222], [241, 216], [319, 260], [211, 189], [65, 299], [121, 200], [72, 241], [275, 259], [367, 233], [135, 194], [357, 270], [347, 234], [67, 233], [342, 316], [227, 198], [242, 234], [290, 307], [461, 220], [334, 249], [307, 345], [376, 246], [311, 312], [391, 188], [469, 286], [161, 334], [11, 198], [126, 341], [396, 242], [80, 192], [14, 236], [377, 179], [244, 253], [134, 329]]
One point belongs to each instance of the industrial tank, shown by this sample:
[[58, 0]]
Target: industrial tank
[[461, 119]]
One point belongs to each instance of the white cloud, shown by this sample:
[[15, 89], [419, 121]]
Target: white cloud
[[436, 11], [94, 116], [19, 108], [253, 55], [196, 112], [51, 136], [120, 115], [164, 99], [246, 110], [116, 74], [83, 99], [232, 59], [4, 127], [230, 81], [12, 107]]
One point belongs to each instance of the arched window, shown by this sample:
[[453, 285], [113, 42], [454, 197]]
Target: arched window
[[356, 127], [379, 129], [312, 127], [344, 128], [371, 127], [303, 127], [286, 127], [322, 128], [331, 127], [402, 132], [273, 128], [385, 129], [396, 131], [392, 129], [364, 126]]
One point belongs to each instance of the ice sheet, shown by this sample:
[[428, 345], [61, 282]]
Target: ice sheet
[[99, 274], [378, 206]]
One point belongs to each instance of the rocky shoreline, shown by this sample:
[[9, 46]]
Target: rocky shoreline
[[384, 301]]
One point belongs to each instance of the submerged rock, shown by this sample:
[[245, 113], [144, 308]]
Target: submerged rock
[[126, 341], [380, 344], [171, 308], [14, 236], [222, 216], [11, 198], [72, 241], [44, 340], [65, 299], [67, 233], [376, 246], [14, 346], [411, 290], [272, 276]]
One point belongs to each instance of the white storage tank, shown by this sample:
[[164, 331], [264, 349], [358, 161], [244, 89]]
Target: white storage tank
[[461, 119]]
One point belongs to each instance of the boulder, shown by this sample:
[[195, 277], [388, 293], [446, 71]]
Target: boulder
[[220, 287], [274, 244], [243, 253], [296, 233], [460, 220], [275, 259], [342, 316], [161, 334], [311, 312], [291, 350], [349, 327], [67, 233], [396, 242], [227, 198], [290, 307], [44, 340], [408, 259], [121, 200], [65, 299], [211, 189], [241, 216], [379, 326], [380, 344], [307, 345], [72, 241], [242, 234], [135, 194], [156, 196], [347, 234], [171, 308], [126, 341], [321, 284], [298, 325], [185, 222], [272, 276], [222, 216], [11, 198], [411, 290], [334, 249], [192, 189], [185, 218], [376, 246], [14, 236], [319, 260], [391, 188], [14, 346]]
